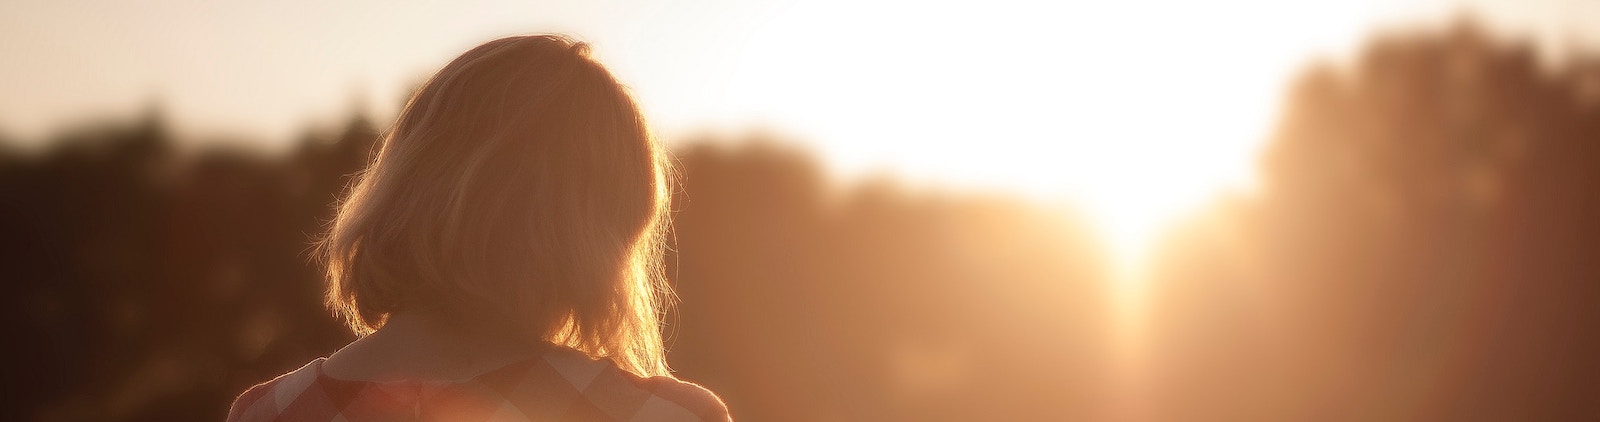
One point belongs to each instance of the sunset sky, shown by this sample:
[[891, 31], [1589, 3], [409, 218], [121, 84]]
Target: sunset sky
[[1135, 110]]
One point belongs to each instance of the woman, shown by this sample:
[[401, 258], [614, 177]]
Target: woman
[[500, 257]]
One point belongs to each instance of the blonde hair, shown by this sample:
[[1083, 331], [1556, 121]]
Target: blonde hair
[[521, 185]]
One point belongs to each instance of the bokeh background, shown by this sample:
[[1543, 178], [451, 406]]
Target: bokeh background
[[1151, 211]]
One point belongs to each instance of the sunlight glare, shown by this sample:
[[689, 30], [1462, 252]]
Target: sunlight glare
[[1138, 111]]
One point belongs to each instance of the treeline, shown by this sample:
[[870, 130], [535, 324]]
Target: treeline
[[145, 284], [1422, 249], [802, 302]]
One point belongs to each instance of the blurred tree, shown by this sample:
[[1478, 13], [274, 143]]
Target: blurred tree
[[802, 302], [1424, 247], [149, 286]]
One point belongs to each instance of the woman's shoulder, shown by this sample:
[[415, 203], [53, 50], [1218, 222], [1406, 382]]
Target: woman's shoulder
[[691, 397], [596, 389], [264, 401]]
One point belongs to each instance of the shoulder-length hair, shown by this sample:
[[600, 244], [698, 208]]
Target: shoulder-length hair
[[521, 186]]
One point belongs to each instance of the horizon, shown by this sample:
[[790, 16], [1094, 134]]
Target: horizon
[[1052, 92]]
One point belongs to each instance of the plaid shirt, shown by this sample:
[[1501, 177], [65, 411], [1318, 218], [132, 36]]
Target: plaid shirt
[[560, 385]]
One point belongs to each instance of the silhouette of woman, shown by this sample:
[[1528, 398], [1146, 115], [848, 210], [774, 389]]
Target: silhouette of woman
[[500, 257]]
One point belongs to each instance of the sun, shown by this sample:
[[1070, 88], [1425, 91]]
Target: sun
[[1136, 112]]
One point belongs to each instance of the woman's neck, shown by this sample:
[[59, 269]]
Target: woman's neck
[[427, 346]]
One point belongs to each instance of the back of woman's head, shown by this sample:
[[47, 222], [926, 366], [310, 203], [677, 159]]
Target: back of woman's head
[[520, 186]]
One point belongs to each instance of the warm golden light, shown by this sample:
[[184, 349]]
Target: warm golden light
[[1056, 100], [888, 210], [1051, 98]]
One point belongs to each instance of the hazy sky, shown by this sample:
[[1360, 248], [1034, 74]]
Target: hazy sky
[[1135, 109]]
